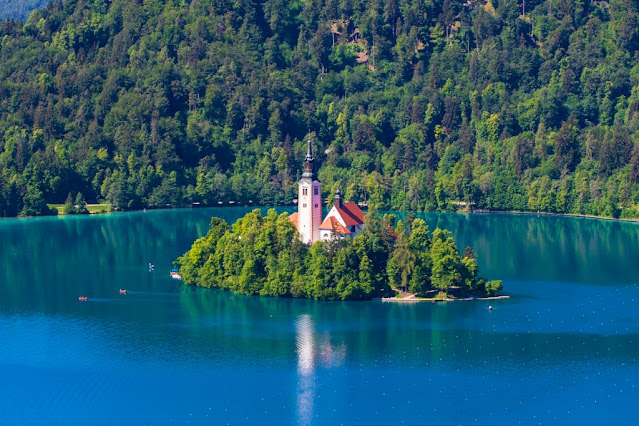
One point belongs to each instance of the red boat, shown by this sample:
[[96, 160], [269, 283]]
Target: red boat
[[122, 291], [83, 298]]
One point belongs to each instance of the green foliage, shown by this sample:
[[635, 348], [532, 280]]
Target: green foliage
[[493, 287], [412, 105], [80, 204], [34, 204], [264, 256], [68, 208], [75, 207], [19, 9], [446, 261]]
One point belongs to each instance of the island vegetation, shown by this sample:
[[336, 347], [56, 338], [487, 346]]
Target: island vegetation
[[263, 255], [413, 104]]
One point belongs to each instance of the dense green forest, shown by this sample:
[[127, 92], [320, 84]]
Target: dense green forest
[[411, 104], [264, 255], [19, 9]]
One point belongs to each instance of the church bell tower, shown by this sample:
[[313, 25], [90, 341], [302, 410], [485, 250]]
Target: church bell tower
[[309, 201]]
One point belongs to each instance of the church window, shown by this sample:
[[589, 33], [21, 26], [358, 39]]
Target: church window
[[304, 205], [304, 191], [316, 190]]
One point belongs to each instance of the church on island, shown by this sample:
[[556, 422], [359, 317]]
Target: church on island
[[343, 220]]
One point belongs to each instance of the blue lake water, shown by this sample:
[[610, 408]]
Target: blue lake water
[[563, 349]]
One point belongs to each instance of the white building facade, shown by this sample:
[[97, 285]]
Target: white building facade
[[343, 220], [309, 202]]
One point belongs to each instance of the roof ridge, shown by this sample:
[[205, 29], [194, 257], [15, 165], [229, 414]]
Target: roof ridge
[[335, 225], [345, 208]]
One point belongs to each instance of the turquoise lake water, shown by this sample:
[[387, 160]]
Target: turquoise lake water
[[562, 350]]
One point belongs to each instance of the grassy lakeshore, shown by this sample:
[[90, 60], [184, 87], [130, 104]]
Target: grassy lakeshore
[[92, 208], [108, 208]]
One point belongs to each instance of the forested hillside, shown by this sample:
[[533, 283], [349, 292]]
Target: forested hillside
[[17, 9], [411, 104]]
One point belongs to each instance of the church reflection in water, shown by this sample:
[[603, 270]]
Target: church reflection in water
[[310, 355], [305, 329]]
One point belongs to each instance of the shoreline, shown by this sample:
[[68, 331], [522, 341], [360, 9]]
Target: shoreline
[[184, 207], [232, 205], [517, 212], [433, 300]]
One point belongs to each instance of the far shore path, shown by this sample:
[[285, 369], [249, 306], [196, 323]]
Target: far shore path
[[538, 213], [412, 299]]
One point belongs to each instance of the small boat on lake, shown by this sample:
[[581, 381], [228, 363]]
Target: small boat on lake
[[122, 291], [83, 298], [175, 274]]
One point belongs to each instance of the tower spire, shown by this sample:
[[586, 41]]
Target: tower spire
[[309, 151], [309, 201], [309, 170]]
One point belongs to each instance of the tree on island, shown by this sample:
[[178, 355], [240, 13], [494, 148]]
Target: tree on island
[[447, 266], [263, 255], [402, 262]]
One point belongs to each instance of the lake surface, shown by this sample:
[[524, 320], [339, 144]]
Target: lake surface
[[563, 349]]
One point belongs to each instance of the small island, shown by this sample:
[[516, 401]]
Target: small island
[[264, 255], [345, 256]]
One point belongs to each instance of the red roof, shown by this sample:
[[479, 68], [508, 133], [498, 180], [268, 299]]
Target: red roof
[[293, 218], [331, 223], [351, 213]]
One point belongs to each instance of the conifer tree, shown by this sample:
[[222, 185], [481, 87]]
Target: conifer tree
[[68, 206]]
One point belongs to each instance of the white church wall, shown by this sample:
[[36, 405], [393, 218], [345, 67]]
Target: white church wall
[[304, 222], [309, 210], [334, 213], [316, 209]]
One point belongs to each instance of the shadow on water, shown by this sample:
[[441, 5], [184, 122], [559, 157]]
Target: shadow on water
[[48, 263], [545, 248]]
